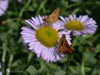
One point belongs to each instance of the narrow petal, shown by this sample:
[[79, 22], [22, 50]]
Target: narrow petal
[[3, 6], [62, 18], [58, 25]]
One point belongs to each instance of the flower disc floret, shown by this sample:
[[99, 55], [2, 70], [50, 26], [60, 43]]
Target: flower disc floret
[[74, 25], [47, 36]]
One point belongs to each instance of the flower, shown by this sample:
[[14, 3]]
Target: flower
[[20, 1], [0, 64], [79, 25], [0, 73], [0, 68], [3, 6], [42, 39]]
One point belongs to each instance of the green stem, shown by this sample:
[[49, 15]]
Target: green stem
[[96, 37], [72, 5], [23, 9], [40, 7], [42, 66], [68, 63], [3, 58], [95, 66], [83, 65], [9, 64], [30, 57]]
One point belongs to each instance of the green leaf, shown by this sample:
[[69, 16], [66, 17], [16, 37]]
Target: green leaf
[[97, 48], [32, 70], [60, 72]]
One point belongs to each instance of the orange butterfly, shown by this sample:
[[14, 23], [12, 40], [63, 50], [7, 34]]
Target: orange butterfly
[[53, 17], [64, 46]]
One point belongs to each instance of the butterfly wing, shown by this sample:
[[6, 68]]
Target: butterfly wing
[[53, 17], [68, 48], [64, 46]]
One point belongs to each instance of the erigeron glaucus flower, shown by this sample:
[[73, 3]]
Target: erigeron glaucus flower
[[0, 73], [79, 25], [3, 6], [42, 39], [0, 68], [20, 1]]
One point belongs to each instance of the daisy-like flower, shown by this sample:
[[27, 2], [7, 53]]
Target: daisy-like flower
[[79, 25], [0, 68], [42, 39], [0, 73], [20, 1], [3, 6]]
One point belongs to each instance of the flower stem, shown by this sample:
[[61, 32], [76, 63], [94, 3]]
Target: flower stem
[[41, 6], [30, 57], [3, 58], [23, 9], [95, 66], [9, 64], [82, 65]]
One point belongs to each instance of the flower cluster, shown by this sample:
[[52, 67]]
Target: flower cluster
[[43, 39]]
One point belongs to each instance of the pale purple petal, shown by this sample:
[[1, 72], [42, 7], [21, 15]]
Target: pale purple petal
[[58, 25], [71, 17], [84, 18], [20, 1], [3, 6], [75, 33], [31, 23], [62, 18]]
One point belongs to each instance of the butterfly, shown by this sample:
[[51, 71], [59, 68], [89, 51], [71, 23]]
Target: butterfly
[[64, 47], [53, 17]]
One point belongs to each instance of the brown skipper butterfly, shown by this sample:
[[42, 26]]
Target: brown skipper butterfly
[[64, 47], [53, 17]]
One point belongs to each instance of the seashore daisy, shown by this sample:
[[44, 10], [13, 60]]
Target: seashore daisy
[[0, 73], [42, 38], [0, 68], [3, 6], [79, 25], [20, 1]]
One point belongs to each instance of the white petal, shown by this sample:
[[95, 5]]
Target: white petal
[[31, 45], [40, 19], [62, 18], [38, 48], [3, 6], [76, 33], [0, 73], [71, 17], [79, 18], [67, 19], [31, 23], [27, 29], [74, 17], [58, 25], [90, 21], [67, 34], [27, 34], [84, 18], [64, 32]]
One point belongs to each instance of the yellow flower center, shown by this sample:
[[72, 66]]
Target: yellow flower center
[[74, 25], [47, 36]]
